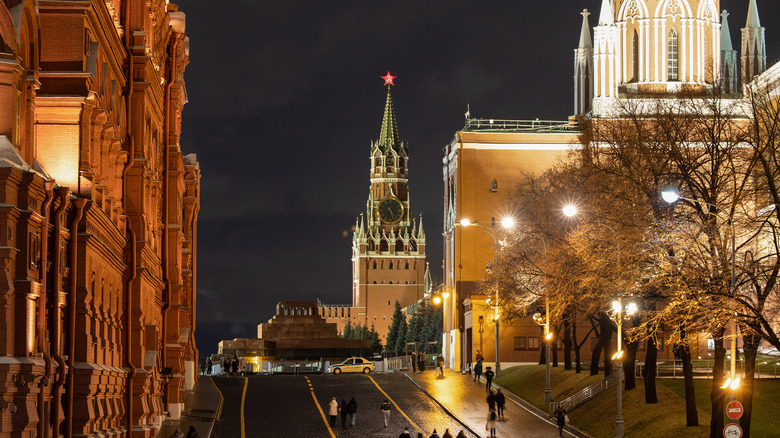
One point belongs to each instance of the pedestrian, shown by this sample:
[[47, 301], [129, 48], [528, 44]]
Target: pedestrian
[[414, 362], [478, 356], [421, 361], [461, 434], [192, 433], [419, 435], [225, 366], [491, 423], [489, 378], [447, 434], [491, 401], [434, 434], [560, 417], [440, 366], [478, 370], [385, 408], [500, 402], [177, 434], [208, 366], [344, 409], [405, 433], [234, 367], [352, 411], [333, 411]]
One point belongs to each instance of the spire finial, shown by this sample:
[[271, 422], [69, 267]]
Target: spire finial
[[725, 33], [752, 17], [585, 41], [388, 78], [607, 15]]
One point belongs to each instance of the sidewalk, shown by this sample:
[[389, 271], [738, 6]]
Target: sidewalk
[[200, 410], [465, 400]]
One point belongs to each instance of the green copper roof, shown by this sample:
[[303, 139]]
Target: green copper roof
[[388, 135]]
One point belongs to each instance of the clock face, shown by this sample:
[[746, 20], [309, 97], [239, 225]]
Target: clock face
[[390, 210]]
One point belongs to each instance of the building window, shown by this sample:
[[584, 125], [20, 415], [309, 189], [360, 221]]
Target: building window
[[660, 344], [407, 265], [493, 222], [493, 186], [672, 56], [519, 343], [391, 265], [533, 342], [635, 56], [374, 264]]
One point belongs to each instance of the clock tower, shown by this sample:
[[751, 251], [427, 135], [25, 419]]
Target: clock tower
[[388, 246]]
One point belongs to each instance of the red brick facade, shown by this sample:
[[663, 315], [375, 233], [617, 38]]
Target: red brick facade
[[98, 218]]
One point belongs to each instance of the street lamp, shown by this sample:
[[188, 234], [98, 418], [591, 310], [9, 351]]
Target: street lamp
[[481, 330], [619, 311], [545, 322], [506, 222], [670, 195]]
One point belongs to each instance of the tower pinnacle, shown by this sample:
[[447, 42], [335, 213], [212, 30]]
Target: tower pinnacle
[[388, 135], [607, 15], [585, 41], [752, 17]]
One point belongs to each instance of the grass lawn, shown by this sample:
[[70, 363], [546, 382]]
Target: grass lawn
[[667, 418]]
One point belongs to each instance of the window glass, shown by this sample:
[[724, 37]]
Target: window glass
[[672, 56]]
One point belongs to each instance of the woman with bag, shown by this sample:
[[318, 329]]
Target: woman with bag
[[561, 418], [491, 424]]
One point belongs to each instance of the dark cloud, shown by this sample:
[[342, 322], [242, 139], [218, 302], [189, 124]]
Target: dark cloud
[[285, 98]]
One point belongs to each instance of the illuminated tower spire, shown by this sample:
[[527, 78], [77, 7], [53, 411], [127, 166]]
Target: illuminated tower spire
[[583, 69], [606, 65], [388, 135], [753, 46], [728, 57]]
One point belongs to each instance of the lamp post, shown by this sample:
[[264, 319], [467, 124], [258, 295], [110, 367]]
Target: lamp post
[[506, 223], [547, 340], [481, 330], [619, 310], [671, 196]]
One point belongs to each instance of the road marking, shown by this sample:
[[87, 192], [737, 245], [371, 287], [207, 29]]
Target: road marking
[[322, 413], [221, 399], [243, 398], [396, 405]]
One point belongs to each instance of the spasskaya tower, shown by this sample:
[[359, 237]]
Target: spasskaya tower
[[388, 246]]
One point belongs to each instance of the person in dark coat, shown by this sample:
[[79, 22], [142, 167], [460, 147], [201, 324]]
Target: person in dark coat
[[447, 434], [226, 366], [405, 433], [478, 370], [491, 401], [560, 417], [500, 402], [208, 366], [489, 378], [192, 433], [344, 410], [421, 361], [461, 434], [434, 434], [352, 411], [234, 367], [414, 362]]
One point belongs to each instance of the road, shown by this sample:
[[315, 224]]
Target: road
[[285, 406]]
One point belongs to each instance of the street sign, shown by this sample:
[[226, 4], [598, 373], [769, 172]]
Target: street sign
[[732, 431], [734, 410]]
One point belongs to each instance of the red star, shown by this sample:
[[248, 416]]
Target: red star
[[388, 78]]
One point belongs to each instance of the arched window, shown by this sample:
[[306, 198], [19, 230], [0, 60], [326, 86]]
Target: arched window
[[671, 62], [391, 265], [374, 264], [635, 56]]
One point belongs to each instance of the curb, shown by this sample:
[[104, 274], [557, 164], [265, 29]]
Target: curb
[[571, 430], [447, 411]]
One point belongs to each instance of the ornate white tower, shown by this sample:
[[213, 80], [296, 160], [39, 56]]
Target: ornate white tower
[[753, 46], [606, 67], [728, 58], [583, 70]]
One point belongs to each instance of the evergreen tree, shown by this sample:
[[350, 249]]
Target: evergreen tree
[[347, 333], [392, 335], [413, 329], [400, 343], [373, 337]]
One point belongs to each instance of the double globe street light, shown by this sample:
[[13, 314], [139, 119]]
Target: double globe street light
[[507, 223]]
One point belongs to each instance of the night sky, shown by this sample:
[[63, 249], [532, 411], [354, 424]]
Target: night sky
[[285, 97]]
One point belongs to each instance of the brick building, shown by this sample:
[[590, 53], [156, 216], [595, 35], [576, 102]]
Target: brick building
[[98, 218]]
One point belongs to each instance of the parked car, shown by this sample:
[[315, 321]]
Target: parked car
[[352, 365]]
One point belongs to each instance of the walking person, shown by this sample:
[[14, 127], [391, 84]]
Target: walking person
[[344, 409], [491, 423], [489, 378], [333, 411], [560, 417], [385, 408], [208, 366], [478, 371], [491, 401], [440, 366], [461, 434], [225, 366], [434, 434], [234, 367], [500, 402], [447, 434], [414, 362], [405, 433], [421, 361], [352, 411]]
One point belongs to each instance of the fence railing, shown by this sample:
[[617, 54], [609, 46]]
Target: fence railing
[[703, 369], [581, 397], [519, 125]]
